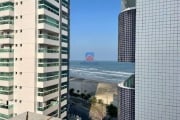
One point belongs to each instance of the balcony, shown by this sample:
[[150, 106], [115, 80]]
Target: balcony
[[64, 91], [64, 32], [63, 113], [6, 109], [48, 39], [64, 79], [6, 97], [48, 108], [65, 9], [44, 26], [6, 27], [6, 67], [47, 69], [46, 12], [6, 81], [3, 1], [46, 4], [48, 53], [47, 83], [63, 103], [6, 53], [65, 21], [48, 97], [6, 39], [48, 65], [6, 8], [5, 116], [64, 44]]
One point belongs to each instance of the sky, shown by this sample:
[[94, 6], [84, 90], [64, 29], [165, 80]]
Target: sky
[[94, 28]]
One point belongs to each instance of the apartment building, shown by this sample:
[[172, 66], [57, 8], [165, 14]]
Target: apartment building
[[34, 57]]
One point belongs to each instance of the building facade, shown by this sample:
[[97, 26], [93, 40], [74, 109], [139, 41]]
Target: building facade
[[126, 31], [126, 95], [157, 68], [34, 57]]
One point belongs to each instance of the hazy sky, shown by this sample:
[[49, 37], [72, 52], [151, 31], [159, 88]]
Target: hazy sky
[[94, 28]]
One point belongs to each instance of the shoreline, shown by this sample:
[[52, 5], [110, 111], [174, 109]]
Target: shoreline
[[92, 80]]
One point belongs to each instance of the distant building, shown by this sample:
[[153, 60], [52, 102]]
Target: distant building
[[33, 116], [126, 32], [126, 94]]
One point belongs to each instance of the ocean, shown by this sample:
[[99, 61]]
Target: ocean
[[103, 71]]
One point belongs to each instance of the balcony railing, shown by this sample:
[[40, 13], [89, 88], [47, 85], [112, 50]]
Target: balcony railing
[[6, 64], [48, 106], [6, 50], [4, 117], [6, 6], [47, 92], [51, 37], [6, 36], [48, 50], [6, 106], [43, 79], [6, 78], [48, 64]]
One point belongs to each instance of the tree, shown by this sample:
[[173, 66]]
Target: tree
[[100, 101], [93, 100], [112, 110], [78, 91], [71, 91], [87, 97], [83, 95]]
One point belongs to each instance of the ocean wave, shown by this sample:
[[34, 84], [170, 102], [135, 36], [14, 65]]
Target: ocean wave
[[99, 73]]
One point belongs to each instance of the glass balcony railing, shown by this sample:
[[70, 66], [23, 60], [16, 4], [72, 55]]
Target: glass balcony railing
[[51, 37], [48, 51], [44, 4], [63, 98], [6, 92], [64, 63], [47, 92], [48, 64], [6, 6], [43, 79], [65, 3], [6, 64], [6, 106], [48, 20], [6, 78], [64, 52], [48, 106], [6, 22], [6, 50], [4, 117], [6, 36]]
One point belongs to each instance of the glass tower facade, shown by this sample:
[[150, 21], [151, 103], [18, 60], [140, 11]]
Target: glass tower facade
[[126, 31], [157, 80]]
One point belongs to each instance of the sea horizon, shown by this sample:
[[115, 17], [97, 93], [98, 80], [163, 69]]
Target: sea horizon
[[103, 71]]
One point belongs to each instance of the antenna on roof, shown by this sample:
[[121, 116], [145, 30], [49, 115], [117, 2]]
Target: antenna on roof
[[27, 116]]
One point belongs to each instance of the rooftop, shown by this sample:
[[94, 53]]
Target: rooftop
[[33, 116], [128, 4]]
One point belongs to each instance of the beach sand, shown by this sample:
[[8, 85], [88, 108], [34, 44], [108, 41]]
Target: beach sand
[[102, 90]]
